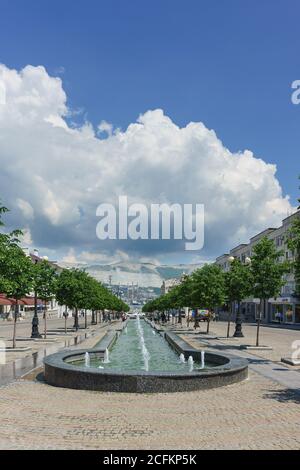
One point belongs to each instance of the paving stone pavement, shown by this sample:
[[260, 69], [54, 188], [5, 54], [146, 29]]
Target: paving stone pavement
[[277, 371], [258, 413], [254, 414], [55, 331], [16, 364], [280, 339]]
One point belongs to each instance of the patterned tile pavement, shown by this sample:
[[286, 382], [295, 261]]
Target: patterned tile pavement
[[255, 414]]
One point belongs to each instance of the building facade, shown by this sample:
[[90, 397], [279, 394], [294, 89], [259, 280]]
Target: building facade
[[286, 307], [27, 303], [168, 284]]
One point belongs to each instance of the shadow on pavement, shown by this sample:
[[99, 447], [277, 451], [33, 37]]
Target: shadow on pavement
[[284, 396]]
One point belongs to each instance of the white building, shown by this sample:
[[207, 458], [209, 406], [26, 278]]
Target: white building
[[169, 284], [286, 306]]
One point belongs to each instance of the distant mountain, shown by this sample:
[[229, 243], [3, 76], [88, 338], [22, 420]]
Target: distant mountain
[[143, 274]]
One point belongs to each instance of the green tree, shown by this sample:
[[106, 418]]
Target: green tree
[[15, 269], [10, 238], [70, 290], [293, 243], [78, 290], [6, 240], [208, 288], [185, 293], [267, 272], [92, 299], [238, 286], [16, 277], [45, 284]]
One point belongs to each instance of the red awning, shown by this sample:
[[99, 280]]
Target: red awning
[[20, 302], [23, 301], [30, 301], [27, 300], [4, 300]]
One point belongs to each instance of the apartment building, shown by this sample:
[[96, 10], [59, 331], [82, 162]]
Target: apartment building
[[27, 303], [284, 308], [168, 284]]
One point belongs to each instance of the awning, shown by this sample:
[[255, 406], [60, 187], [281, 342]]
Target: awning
[[20, 302], [281, 300], [29, 301], [4, 300], [23, 301]]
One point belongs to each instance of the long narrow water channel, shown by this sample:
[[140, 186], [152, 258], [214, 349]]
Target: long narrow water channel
[[139, 347]]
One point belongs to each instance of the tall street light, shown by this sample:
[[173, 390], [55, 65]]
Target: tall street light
[[238, 320], [35, 319]]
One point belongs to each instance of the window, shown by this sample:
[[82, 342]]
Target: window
[[297, 313], [288, 314], [277, 312]]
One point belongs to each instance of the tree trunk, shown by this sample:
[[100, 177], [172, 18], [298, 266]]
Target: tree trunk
[[65, 324], [76, 326], [45, 319], [258, 321], [208, 323], [196, 323], [15, 323], [85, 319]]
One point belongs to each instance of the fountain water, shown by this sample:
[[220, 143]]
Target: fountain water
[[191, 363], [106, 356], [87, 360], [182, 358], [153, 332], [131, 370], [145, 352], [202, 359], [125, 330]]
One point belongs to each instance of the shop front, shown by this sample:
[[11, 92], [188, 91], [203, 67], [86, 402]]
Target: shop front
[[297, 313], [284, 310]]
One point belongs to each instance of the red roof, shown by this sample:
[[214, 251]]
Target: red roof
[[23, 301]]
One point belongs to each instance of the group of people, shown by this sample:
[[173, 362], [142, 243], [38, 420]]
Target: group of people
[[175, 316], [106, 316]]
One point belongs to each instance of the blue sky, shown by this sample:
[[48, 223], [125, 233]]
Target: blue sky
[[227, 64]]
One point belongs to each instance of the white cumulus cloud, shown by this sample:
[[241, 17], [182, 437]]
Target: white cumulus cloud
[[53, 175]]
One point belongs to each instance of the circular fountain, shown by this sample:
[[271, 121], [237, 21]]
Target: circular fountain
[[138, 361]]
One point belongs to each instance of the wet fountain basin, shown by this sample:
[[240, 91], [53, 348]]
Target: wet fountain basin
[[125, 371], [128, 352]]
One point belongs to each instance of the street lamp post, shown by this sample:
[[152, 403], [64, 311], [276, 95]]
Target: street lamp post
[[238, 323], [35, 319], [238, 333]]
